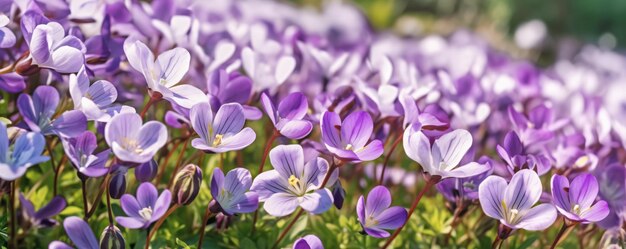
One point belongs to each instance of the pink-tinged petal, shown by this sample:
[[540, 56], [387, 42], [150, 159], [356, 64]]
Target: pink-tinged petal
[[417, 147], [281, 204], [330, 126], [294, 106], [560, 196], [317, 202], [583, 190], [201, 118], [371, 151], [173, 65], [123, 125], [296, 129], [538, 218], [130, 222], [284, 68], [147, 195], [102, 93], [161, 205], [360, 210], [376, 232], [268, 105], [467, 170], [70, 123], [597, 212], [229, 119], [391, 218], [450, 148], [269, 183], [130, 205], [491, 193], [377, 201], [80, 233], [217, 182], [288, 160], [66, 60], [356, 129], [523, 191], [185, 95]]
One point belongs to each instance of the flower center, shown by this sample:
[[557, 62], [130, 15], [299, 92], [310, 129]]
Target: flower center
[[582, 161], [576, 209], [294, 181], [512, 215], [530, 125], [146, 213], [349, 147], [370, 221], [131, 145], [218, 140]]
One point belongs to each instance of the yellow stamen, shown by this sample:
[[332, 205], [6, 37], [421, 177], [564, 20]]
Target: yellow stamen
[[582, 161], [146, 213], [218, 140], [349, 147], [293, 181], [576, 209]]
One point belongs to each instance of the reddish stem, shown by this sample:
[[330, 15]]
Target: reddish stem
[[432, 181], [286, 230], [391, 150]]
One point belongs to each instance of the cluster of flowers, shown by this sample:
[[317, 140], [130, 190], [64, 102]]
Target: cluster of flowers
[[481, 125]]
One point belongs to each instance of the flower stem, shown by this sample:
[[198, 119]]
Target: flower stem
[[85, 205], [178, 162], [159, 223], [391, 150], [330, 172], [12, 242], [268, 146], [558, 238], [154, 97], [207, 214], [57, 172], [497, 242], [157, 179], [109, 211], [429, 183], [286, 230]]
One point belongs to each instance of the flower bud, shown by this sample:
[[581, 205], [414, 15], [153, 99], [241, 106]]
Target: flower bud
[[25, 67], [146, 171], [613, 238], [186, 184], [112, 238], [338, 194], [117, 184]]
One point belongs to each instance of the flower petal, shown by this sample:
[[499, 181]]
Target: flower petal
[[391, 218], [538, 218], [173, 64], [294, 106], [330, 132], [377, 201], [560, 197], [523, 191], [229, 119], [451, 147], [147, 195], [296, 129], [356, 129], [491, 193], [281, 204], [583, 190], [317, 202], [80, 233], [288, 160]]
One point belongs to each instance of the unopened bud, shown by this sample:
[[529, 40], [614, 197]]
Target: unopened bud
[[25, 66], [117, 185], [146, 171], [339, 194], [186, 184], [112, 238]]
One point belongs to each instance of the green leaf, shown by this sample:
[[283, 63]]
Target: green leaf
[[182, 244]]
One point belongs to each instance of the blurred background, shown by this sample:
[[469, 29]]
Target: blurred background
[[541, 30]]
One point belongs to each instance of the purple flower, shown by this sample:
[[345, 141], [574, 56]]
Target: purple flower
[[7, 38], [80, 150], [131, 141], [613, 191], [512, 153], [419, 120], [444, 155], [79, 232], [376, 216], [43, 216], [147, 208], [38, 112], [293, 183], [50, 48], [575, 201], [538, 128], [93, 100], [287, 119], [25, 152], [147, 171], [223, 132], [12, 82], [464, 188], [308, 242], [231, 192], [513, 203], [163, 74], [349, 139], [231, 88]]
